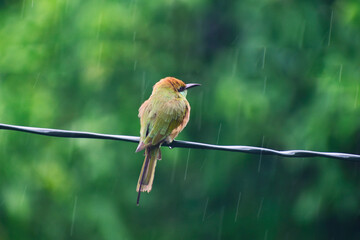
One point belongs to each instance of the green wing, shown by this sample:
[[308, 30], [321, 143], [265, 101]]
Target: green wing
[[162, 120]]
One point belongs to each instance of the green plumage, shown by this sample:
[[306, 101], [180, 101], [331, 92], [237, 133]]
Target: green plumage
[[162, 117]]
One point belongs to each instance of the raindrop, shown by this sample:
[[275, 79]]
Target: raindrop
[[330, 28], [187, 165], [237, 207], [23, 195], [266, 234], [302, 32], [36, 80], [73, 217], [218, 137], [206, 205], [340, 72], [237, 120], [23, 8], [262, 145], [99, 26], [356, 96], [263, 60], [260, 207]]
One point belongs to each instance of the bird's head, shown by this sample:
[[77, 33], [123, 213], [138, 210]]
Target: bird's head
[[174, 85]]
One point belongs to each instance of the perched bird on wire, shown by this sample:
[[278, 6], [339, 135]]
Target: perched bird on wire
[[162, 117]]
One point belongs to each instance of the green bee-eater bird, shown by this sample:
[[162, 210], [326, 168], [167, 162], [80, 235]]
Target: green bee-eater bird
[[162, 117]]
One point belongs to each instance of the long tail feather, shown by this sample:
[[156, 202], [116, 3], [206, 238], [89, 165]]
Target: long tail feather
[[147, 173]]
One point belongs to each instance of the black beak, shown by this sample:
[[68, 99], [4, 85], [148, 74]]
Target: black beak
[[191, 85]]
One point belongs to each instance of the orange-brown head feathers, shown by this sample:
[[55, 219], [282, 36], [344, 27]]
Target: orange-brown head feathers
[[170, 83], [173, 84]]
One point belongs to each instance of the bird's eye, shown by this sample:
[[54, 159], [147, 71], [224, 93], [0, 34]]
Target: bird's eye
[[182, 88]]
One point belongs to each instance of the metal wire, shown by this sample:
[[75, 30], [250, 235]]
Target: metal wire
[[182, 144]]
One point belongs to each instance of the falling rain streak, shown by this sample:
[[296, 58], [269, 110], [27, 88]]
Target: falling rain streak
[[356, 96], [23, 8], [330, 28], [263, 60], [23, 195], [262, 145], [340, 72], [302, 32], [205, 209], [100, 54], [187, 165], [237, 207], [36, 80], [73, 217], [99, 26], [218, 137], [203, 164], [51, 47], [260, 207], [237, 119]]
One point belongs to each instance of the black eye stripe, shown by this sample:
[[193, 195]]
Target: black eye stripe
[[182, 88]]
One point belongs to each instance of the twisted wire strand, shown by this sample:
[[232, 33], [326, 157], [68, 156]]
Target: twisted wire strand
[[182, 144]]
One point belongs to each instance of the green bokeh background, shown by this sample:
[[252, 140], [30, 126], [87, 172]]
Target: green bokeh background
[[278, 74]]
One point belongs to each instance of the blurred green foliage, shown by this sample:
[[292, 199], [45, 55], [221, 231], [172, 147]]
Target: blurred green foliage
[[278, 74]]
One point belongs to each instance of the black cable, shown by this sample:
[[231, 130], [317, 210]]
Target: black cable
[[182, 144]]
